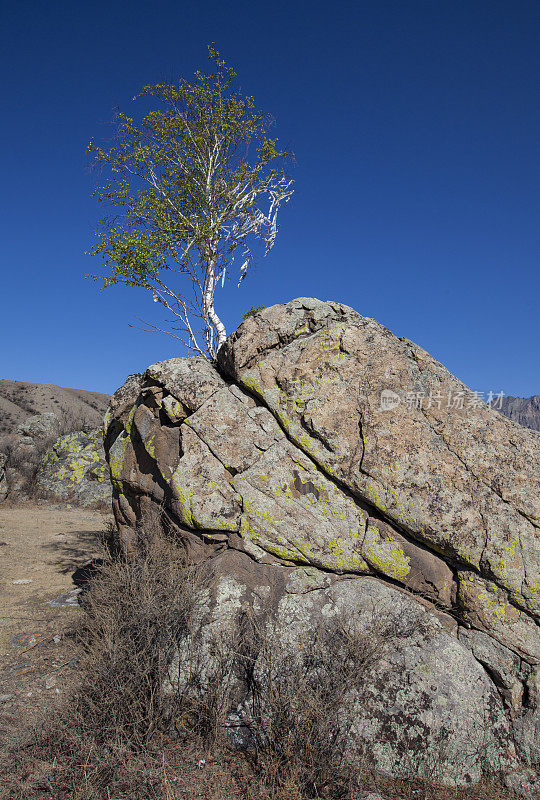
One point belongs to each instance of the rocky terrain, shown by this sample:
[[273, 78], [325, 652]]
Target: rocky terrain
[[50, 444], [330, 472], [78, 415], [526, 411], [40, 462], [78, 407]]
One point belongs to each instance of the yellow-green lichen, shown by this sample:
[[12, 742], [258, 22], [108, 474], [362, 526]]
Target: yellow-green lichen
[[509, 554], [493, 605], [335, 555], [304, 329], [533, 590], [149, 445], [174, 408], [345, 559], [385, 554], [252, 384], [332, 347], [279, 550], [77, 468], [183, 495], [129, 421], [107, 419], [117, 454]]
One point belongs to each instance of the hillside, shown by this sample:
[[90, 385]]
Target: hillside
[[525, 410], [19, 400]]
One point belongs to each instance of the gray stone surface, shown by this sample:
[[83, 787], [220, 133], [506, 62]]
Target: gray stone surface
[[46, 466], [40, 426], [294, 459], [503, 665], [74, 470]]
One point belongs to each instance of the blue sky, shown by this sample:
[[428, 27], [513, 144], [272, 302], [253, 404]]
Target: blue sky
[[416, 130]]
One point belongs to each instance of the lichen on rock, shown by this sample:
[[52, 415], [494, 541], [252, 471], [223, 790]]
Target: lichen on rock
[[284, 467], [75, 470]]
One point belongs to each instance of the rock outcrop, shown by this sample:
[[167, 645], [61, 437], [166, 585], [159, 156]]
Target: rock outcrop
[[42, 464], [525, 410], [3, 478], [23, 451], [74, 470], [327, 468], [40, 427]]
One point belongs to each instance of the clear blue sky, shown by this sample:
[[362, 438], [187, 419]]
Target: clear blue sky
[[416, 130]]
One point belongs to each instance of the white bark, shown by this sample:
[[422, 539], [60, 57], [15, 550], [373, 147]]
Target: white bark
[[230, 218], [210, 317]]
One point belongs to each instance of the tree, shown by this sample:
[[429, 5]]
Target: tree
[[195, 184]]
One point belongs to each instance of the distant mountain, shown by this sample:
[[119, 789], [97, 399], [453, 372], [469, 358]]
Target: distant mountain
[[526, 411], [77, 408]]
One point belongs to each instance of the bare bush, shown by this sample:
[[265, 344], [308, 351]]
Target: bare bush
[[137, 612], [23, 460], [150, 672], [300, 709], [73, 421]]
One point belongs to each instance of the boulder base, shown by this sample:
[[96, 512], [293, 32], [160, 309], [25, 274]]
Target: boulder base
[[329, 469]]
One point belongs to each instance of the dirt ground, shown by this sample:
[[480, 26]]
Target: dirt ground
[[39, 549]]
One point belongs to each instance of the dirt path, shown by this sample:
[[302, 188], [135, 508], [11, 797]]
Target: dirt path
[[39, 549]]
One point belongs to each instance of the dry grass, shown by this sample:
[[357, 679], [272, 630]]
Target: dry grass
[[123, 735], [137, 611]]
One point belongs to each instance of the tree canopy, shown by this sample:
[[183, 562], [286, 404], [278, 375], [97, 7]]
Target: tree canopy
[[190, 189]]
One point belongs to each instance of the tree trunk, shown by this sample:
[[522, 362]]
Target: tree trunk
[[208, 306]]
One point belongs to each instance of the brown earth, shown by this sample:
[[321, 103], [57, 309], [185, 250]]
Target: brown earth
[[19, 400], [42, 546]]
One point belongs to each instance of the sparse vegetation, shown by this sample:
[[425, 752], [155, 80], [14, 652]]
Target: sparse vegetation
[[71, 421], [22, 464], [252, 311], [123, 734]]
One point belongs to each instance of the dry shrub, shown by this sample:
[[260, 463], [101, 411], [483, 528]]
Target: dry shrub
[[137, 611], [74, 420], [301, 712], [110, 738], [23, 462]]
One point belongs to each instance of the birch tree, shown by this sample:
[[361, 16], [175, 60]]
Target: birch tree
[[190, 191]]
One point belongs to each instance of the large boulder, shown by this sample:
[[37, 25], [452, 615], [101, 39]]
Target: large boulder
[[74, 470], [43, 427], [324, 450], [41, 464], [22, 452]]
